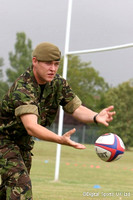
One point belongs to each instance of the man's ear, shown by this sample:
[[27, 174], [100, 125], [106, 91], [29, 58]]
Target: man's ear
[[34, 60]]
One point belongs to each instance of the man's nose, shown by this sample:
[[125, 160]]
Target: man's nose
[[52, 67]]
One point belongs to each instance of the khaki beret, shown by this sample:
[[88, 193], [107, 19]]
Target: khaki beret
[[47, 52]]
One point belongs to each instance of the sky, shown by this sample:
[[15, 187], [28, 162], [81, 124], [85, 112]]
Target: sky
[[94, 24]]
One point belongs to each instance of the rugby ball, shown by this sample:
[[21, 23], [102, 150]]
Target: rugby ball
[[109, 147]]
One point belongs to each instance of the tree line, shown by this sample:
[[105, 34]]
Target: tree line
[[86, 82]]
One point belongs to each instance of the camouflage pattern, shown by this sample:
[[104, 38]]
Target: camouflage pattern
[[15, 144], [26, 92], [14, 169]]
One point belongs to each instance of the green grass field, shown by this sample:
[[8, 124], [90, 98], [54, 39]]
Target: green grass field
[[80, 172]]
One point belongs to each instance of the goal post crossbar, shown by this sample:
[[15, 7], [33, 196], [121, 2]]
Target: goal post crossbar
[[100, 49]]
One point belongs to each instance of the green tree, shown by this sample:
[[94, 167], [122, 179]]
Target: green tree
[[86, 82], [3, 85], [1, 64], [122, 99], [21, 59]]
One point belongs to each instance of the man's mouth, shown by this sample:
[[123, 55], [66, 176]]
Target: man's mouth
[[51, 75]]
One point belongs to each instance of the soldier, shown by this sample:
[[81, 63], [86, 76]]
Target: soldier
[[29, 106]]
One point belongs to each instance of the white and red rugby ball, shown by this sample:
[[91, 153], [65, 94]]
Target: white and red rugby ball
[[109, 147]]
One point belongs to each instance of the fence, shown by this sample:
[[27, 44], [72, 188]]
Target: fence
[[84, 134]]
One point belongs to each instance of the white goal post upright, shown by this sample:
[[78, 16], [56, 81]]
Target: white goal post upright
[[61, 113], [66, 53]]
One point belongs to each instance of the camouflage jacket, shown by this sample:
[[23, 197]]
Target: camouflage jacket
[[25, 97]]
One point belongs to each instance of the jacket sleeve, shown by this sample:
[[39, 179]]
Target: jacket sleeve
[[72, 105]]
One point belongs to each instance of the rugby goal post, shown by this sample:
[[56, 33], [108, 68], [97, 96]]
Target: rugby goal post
[[66, 53]]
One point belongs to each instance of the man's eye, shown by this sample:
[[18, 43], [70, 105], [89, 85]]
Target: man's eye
[[48, 63], [56, 64]]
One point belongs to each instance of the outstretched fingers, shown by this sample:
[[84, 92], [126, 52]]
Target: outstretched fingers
[[106, 115], [69, 133], [69, 142], [110, 108]]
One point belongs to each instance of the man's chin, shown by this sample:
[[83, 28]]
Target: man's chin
[[50, 79]]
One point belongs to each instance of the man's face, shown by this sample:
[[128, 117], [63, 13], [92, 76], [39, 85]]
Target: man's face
[[44, 71]]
